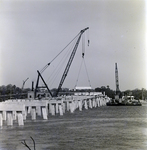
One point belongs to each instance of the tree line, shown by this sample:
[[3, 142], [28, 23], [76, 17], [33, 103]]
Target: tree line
[[13, 92], [137, 93]]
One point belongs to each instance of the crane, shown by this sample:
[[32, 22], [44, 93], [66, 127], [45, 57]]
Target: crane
[[24, 83], [70, 61], [66, 69], [117, 83]]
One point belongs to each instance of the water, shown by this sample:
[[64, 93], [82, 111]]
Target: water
[[104, 128]]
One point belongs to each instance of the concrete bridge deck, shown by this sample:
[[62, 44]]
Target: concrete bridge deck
[[19, 109]]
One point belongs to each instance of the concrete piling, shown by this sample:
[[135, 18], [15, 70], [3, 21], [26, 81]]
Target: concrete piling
[[14, 115], [9, 118], [29, 109], [60, 110], [20, 119], [80, 105], [1, 119], [14, 109], [52, 107], [4, 115], [72, 107], [33, 113], [38, 110], [85, 104], [44, 113], [57, 108], [90, 104]]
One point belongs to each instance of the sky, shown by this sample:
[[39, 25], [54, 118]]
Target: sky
[[33, 32]]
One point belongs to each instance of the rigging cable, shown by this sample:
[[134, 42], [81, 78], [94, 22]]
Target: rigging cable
[[83, 60], [88, 37], [79, 73], [83, 45], [87, 74], [45, 67], [60, 65]]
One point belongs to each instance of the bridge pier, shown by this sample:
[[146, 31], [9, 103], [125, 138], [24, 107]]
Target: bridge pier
[[90, 103], [20, 119], [60, 110], [44, 112], [1, 119], [29, 109], [4, 115], [85, 104], [57, 108], [9, 118], [38, 110], [33, 113], [63, 105], [80, 105], [67, 106], [53, 109], [14, 115], [72, 106]]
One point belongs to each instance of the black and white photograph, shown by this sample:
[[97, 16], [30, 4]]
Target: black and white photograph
[[73, 74]]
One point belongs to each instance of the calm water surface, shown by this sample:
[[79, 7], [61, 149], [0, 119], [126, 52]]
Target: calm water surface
[[104, 128]]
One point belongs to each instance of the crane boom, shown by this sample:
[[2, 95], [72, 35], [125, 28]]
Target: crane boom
[[116, 78], [24, 83], [70, 61]]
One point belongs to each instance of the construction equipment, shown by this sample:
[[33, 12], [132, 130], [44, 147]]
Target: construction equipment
[[70, 61], [65, 71], [24, 83], [117, 94]]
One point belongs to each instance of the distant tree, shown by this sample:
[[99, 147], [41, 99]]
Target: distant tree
[[109, 92]]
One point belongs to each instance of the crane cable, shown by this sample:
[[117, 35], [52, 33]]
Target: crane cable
[[45, 67], [59, 67], [83, 60], [87, 73], [79, 73]]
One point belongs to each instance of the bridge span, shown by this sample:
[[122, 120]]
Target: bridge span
[[19, 110]]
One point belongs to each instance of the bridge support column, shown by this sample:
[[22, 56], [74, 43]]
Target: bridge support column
[[20, 119], [33, 113], [9, 118], [85, 104], [44, 113], [29, 109], [24, 115], [90, 104], [63, 105], [38, 110], [4, 115], [1, 119], [97, 102], [57, 108], [93, 103], [101, 102], [80, 105], [60, 110], [68, 105], [72, 106], [14, 115], [52, 109]]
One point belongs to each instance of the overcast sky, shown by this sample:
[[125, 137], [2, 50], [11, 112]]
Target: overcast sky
[[33, 32]]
